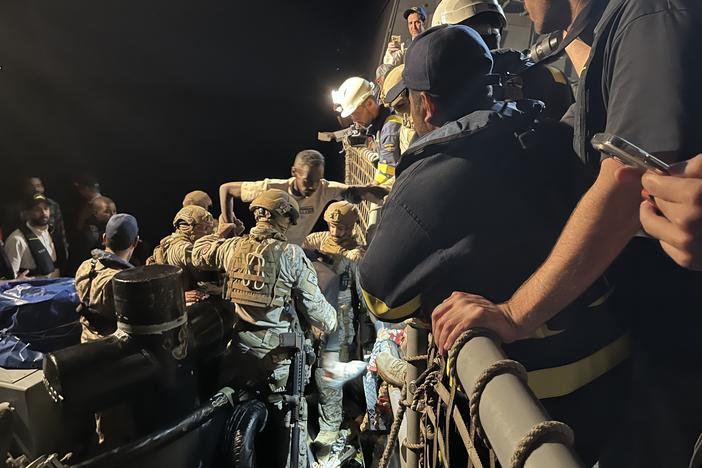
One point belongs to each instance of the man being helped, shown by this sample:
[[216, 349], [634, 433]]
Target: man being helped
[[307, 186], [659, 112], [463, 210], [191, 223], [30, 248], [265, 274], [340, 251], [94, 277]]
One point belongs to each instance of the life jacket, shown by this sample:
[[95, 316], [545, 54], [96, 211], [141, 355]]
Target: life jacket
[[44, 263], [253, 274]]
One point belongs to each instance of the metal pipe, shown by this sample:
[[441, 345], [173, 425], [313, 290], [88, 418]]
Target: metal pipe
[[219, 404], [416, 346], [508, 409]]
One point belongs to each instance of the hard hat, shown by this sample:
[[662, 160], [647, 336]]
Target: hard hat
[[199, 198], [351, 94], [457, 11], [277, 202], [394, 78], [341, 212], [192, 215]]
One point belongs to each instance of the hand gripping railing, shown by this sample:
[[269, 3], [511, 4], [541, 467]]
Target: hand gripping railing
[[498, 419]]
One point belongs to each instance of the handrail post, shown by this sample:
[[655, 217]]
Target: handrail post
[[508, 409], [416, 346]]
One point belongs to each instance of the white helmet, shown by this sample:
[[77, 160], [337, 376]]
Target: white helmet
[[457, 11], [351, 94]]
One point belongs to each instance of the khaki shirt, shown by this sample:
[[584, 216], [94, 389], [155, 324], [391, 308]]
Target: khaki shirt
[[310, 207], [97, 294]]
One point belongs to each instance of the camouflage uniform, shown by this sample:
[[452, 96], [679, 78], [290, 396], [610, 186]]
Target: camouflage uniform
[[176, 249], [343, 257], [94, 288], [260, 368]]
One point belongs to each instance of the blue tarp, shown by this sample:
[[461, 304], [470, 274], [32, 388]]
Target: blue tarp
[[36, 316]]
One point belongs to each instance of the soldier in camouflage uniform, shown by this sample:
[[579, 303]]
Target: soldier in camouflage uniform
[[265, 274], [339, 249], [190, 223]]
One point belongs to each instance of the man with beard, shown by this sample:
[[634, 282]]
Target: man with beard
[[90, 236], [311, 191], [13, 217], [30, 248]]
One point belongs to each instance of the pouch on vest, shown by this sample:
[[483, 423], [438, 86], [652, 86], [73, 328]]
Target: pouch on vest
[[253, 275]]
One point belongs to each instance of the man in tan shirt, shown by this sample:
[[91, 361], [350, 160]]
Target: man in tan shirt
[[94, 277], [307, 186]]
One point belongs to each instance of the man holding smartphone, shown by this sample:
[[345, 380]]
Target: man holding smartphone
[[674, 215], [416, 17], [646, 95]]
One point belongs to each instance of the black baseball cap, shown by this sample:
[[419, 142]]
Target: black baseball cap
[[444, 60], [35, 199], [416, 9], [121, 231]]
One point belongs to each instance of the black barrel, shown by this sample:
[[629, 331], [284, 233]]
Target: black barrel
[[149, 299], [149, 304]]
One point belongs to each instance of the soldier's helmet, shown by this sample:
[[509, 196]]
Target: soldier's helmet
[[394, 78], [199, 198], [279, 203], [351, 94], [457, 11], [341, 212], [191, 216]]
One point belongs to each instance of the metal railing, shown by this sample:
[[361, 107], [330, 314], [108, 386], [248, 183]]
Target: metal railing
[[358, 170], [475, 409]]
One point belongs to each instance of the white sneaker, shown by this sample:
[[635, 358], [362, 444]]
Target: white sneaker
[[337, 373]]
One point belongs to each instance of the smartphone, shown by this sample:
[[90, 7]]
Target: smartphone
[[628, 153]]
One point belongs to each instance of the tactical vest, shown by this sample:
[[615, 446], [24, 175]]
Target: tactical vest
[[42, 258], [97, 322], [253, 274]]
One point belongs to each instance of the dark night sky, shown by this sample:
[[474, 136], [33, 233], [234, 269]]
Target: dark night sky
[[157, 98]]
